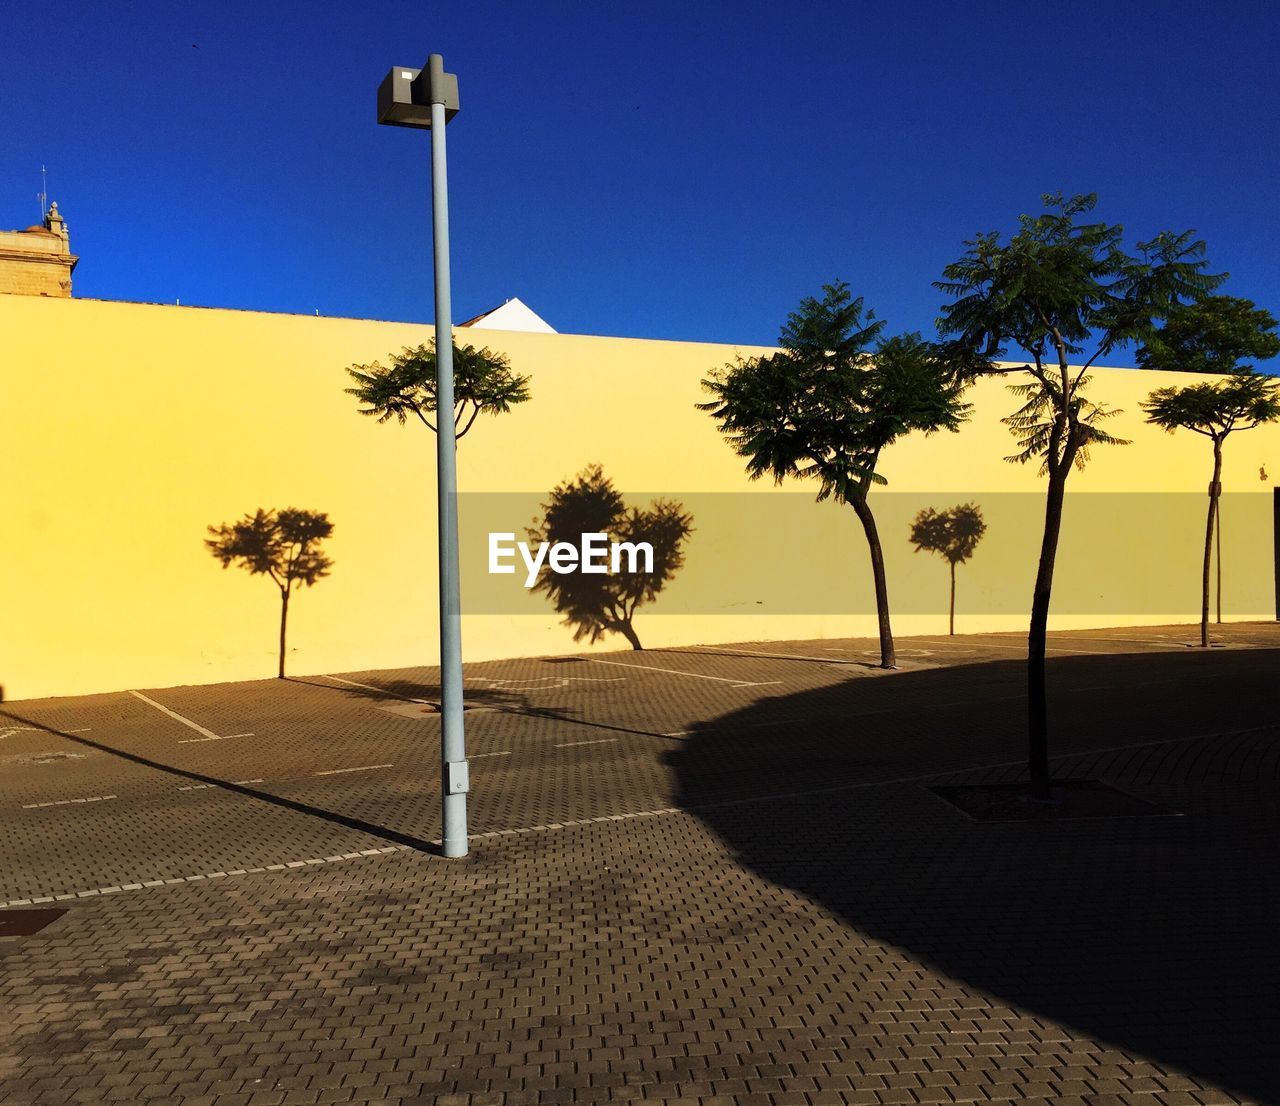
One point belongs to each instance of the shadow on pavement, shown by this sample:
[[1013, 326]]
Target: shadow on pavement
[[413, 691], [501, 700], [1156, 936], [370, 828]]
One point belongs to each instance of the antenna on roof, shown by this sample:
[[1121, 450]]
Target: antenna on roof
[[44, 192]]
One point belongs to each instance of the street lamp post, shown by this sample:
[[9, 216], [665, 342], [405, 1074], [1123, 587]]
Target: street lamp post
[[428, 98]]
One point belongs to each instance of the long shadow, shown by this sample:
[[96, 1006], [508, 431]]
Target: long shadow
[[412, 691], [500, 700], [333, 816], [1153, 935]]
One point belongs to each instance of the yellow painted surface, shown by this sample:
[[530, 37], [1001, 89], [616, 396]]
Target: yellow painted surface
[[129, 428]]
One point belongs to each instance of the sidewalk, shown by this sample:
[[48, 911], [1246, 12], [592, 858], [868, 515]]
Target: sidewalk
[[716, 878]]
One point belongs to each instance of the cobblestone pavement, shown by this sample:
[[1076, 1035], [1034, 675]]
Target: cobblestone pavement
[[705, 875]]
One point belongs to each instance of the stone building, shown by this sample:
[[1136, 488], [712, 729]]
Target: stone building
[[38, 261]]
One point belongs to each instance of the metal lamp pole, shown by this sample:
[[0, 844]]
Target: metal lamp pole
[[428, 98]]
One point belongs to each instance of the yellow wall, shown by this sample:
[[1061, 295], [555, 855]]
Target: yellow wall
[[129, 428]]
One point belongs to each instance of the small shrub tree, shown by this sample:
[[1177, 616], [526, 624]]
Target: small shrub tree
[[1215, 410], [284, 545], [1219, 334], [483, 384]]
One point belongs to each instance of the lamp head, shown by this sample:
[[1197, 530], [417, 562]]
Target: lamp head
[[406, 95]]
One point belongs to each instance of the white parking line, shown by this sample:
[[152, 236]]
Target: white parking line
[[208, 735], [39, 729], [1134, 640], [67, 802], [477, 756], [691, 675], [547, 683], [361, 768], [574, 744], [754, 653], [1022, 648], [211, 737], [379, 690], [629, 816], [115, 889]]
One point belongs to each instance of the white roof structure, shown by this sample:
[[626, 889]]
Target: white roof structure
[[512, 315]]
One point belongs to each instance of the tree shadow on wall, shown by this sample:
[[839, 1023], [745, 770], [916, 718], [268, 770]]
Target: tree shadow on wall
[[599, 602], [1154, 935]]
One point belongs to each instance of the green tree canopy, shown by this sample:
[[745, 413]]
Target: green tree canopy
[[1216, 409], [483, 383], [827, 404], [1219, 334]]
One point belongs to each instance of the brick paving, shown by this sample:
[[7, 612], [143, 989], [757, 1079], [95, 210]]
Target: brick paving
[[709, 877]]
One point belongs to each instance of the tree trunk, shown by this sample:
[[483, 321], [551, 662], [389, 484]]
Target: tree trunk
[[626, 630], [1210, 526], [284, 621], [1037, 696], [888, 659], [1217, 540], [952, 619]]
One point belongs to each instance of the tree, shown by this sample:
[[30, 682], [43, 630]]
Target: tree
[[284, 545], [953, 534], [1215, 410], [1058, 288], [596, 603], [483, 383], [1220, 334], [824, 408]]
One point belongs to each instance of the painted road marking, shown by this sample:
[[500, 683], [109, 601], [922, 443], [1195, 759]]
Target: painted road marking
[[548, 683], [691, 675], [574, 744], [477, 756], [212, 737], [361, 768], [39, 729], [93, 892], [627, 817], [1166, 644], [379, 690], [208, 735], [800, 656], [1052, 647], [68, 802]]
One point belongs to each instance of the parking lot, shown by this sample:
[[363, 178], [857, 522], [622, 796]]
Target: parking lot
[[711, 874]]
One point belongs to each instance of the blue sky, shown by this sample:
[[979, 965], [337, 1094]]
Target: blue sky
[[665, 170]]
